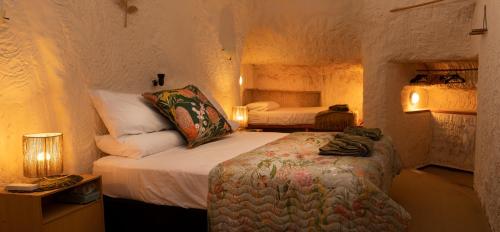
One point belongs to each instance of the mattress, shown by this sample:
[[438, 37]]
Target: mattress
[[175, 177], [285, 116]]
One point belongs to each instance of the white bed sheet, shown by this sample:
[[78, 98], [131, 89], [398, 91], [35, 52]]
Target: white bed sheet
[[285, 116], [176, 177]]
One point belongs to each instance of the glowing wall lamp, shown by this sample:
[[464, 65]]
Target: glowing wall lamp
[[240, 114], [241, 80], [414, 98], [42, 155]]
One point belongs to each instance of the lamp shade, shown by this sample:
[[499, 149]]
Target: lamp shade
[[42, 154], [240, 114]]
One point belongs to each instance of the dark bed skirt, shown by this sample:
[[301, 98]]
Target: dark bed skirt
[[130, 215]]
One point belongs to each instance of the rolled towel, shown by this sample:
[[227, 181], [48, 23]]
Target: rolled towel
[[372, 133], [348, 145]]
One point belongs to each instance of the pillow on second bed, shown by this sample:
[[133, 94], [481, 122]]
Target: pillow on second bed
[[191, 113], [263, 106], [138, 146]]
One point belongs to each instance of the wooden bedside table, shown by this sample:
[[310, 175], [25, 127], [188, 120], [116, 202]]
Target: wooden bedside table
[[40, 211]]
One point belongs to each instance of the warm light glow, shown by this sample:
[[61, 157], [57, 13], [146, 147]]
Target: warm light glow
[[42, 154], [414, 98], [240, 114], [241, 80]]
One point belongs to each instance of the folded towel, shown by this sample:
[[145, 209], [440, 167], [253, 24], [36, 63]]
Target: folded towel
[[372, 133], [339, 108], [348, 145]]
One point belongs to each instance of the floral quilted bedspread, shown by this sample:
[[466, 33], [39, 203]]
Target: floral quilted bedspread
[[286, 186]]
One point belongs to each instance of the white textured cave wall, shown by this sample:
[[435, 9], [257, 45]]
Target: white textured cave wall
[[411, 133], [297, 32], [487, 161], [339, 84], [53, 51], [453, 140], [390, 43]]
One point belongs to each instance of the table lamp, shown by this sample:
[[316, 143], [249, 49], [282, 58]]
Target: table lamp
[[240, 114], [42, 155]]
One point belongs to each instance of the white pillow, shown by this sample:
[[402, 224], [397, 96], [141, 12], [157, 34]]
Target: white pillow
[[263, 106], [138, 146], [234, 124], [127, 114]]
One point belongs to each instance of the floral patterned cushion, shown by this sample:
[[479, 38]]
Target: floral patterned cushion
[[190, 111]]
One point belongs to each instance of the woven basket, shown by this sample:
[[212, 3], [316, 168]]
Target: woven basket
[[333, 120]]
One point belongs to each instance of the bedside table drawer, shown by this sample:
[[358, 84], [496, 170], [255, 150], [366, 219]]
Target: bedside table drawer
[[85, 218]]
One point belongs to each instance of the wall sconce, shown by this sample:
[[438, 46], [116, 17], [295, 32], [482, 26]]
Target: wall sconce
[[42, 155], [241, 81], [414, 98], [160, 80], [240, 114]]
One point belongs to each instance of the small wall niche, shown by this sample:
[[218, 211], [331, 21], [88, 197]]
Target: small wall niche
[[452, 107], [337, 83], [445, 87]]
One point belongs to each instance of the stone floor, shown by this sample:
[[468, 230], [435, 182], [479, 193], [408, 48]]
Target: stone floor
[[439, 199]]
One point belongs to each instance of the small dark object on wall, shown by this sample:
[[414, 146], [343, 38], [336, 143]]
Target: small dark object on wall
[[454, 78], [484, 29], [161, 79], [420, 79]]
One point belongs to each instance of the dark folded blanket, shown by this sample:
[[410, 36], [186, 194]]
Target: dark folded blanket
[[339, 108], [372, 133], [348, 145]]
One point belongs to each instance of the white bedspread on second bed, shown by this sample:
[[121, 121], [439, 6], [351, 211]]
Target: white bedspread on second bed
[[176, 177], [285, 116]]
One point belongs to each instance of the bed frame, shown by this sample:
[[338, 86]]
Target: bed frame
[[130, 215], [285, 99]]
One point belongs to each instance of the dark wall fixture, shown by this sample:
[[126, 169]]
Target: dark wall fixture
[[436, 76], [415, 6], [484, 29], [160, 81]]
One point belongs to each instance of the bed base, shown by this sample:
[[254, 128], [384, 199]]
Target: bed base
[[130, 215], [282, 128], [290, 128]]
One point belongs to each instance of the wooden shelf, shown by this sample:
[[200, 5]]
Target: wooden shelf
[[54, 211], [442, 112], [417, 111], [455, 112]]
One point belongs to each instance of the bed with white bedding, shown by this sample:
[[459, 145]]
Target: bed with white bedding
[[250, 170], [243, 181], [289, 109], [175, 177]]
